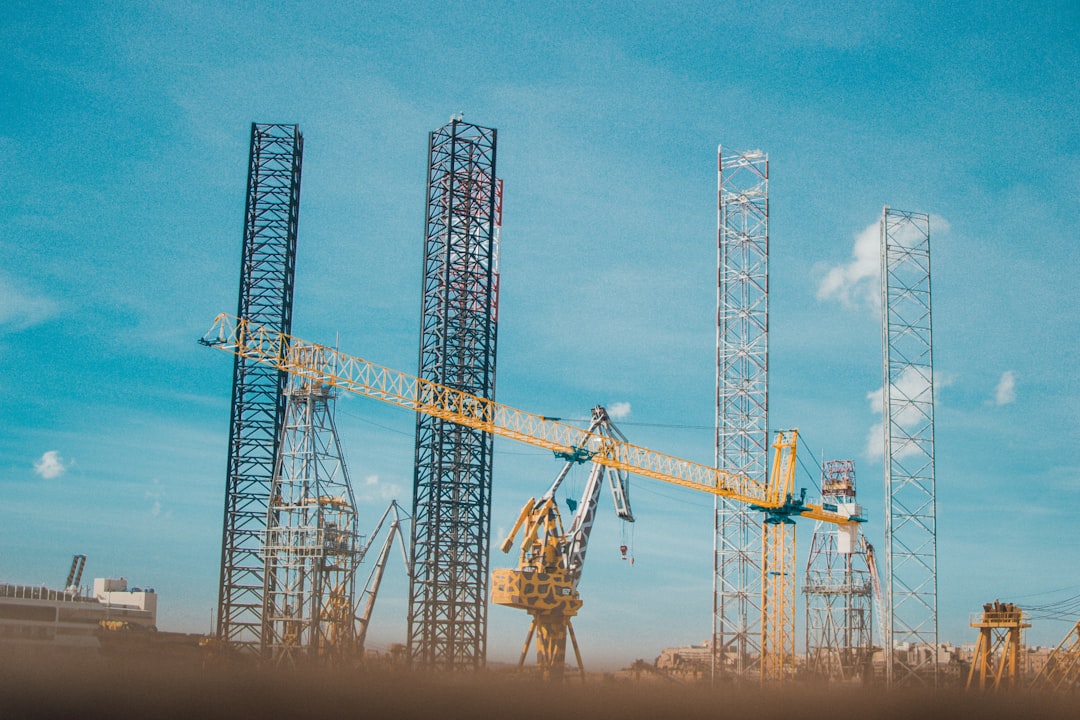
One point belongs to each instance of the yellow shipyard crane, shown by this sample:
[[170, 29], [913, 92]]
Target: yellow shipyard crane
[[330, 367]]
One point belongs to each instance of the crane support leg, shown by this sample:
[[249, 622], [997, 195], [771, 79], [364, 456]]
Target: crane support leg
[[528, 642], [551, 645], [577, 650]]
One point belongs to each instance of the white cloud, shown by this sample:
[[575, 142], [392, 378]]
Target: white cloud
[[20, 310], [857, 282], [375, 490], [50, 465], [875, 441], [1005, 392], [912, 390], [619, 410], [155, 493]]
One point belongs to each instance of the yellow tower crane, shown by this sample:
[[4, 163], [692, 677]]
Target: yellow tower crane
[[330, 367]]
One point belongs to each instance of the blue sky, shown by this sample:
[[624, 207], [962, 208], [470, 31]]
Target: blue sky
[[123, 148]]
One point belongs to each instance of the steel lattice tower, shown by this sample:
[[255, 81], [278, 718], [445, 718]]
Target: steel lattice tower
[[312, 547], [271, 215], [742, 363], [838, 586], [911, 621], [452, 481]]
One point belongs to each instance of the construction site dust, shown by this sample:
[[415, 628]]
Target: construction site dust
[[48, 688]]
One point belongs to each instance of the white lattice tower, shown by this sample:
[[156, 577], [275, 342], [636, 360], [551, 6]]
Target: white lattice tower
[[742, 443]]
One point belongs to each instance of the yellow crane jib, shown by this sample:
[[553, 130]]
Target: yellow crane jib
[[333, 368]]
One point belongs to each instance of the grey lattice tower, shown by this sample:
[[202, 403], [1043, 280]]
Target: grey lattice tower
[[452, 481], [267, 269], [742, 402], [908, 418]]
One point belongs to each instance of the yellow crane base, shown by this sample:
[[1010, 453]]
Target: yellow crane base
[[535, 591]]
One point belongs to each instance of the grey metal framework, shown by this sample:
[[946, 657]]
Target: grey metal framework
[[452, 481], [312, 547], [742, 392], [911, 619], [838, 587], [267, 269]]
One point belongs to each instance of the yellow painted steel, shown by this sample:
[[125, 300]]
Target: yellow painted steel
[[1061, 673], [778, 572], [539, 585], [357, 375], [996, 664]]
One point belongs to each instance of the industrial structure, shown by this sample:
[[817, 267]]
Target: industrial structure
[[290, 547], [267, 269], [312, 544], [996, 664], [38, 618], [911, 618], [545, 583], [1061, 673], [838, 587], [742, 406], [447, 623], [774, 497], [374, 581]]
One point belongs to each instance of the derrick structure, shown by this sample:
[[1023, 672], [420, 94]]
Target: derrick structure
[[996, 663], [312, 546], [452, 480], [268, 262], [742, 362], [911, 617], [838, 586]]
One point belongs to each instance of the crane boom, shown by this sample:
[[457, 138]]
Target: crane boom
[[371, 587], [363, 377]]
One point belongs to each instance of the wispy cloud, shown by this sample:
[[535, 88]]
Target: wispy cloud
[[375, 489], [1005, 392], [856, 283], [20, 309], [913, 391], [619, 410], [51, 465], [155, 493]]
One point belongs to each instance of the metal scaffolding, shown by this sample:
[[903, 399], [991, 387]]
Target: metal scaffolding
[[452, 481], [911, 617], [838, 586], [267, 268], [312, 547], [742, 363]]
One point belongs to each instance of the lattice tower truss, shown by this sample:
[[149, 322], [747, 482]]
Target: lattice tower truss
[[911, 612], [838, 586], [452, 481], [742, 442], [1062, 669], [267, 270], [312, 548]]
